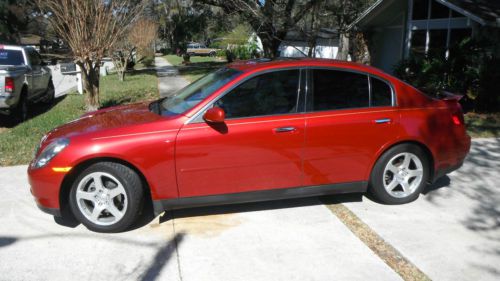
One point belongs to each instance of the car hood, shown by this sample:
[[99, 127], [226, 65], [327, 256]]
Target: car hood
[[105, 121]]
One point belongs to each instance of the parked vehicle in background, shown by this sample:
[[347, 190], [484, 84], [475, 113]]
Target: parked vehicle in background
[[24, 79], [197, 49], [252, 131]]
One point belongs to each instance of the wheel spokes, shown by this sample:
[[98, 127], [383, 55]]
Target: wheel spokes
[[90, 196]]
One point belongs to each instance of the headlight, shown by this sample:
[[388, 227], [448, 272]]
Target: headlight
[[50, 151]]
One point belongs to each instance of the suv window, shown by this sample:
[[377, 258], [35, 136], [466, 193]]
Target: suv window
[[381, 94], [34, 58], [266, 94], [335, 89]]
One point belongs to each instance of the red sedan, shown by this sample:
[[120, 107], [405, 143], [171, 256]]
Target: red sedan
[[252, 131]]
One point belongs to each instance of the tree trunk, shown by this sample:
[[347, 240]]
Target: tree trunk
[[343, 52], [90, 75]]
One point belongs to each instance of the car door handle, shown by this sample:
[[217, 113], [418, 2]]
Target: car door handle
[[382, 121], [284, 129]]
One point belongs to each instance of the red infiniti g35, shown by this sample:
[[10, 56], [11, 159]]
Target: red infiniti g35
[[252, 131]]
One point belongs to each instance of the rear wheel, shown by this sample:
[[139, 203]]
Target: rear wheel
[[212, 54], [22, 110], [107, 197], [400, 174]]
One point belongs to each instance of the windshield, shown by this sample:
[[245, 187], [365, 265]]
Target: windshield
[[194, 93], [11, 57]]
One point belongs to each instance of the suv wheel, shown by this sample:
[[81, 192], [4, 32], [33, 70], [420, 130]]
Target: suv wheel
[[107, 197]]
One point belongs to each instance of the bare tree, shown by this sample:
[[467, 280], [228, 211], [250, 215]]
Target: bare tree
[[271, 20], [142, 36], [122, 55], [90, 28]]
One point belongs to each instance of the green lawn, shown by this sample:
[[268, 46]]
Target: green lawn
[[198, 67], [483, 125], [19, 141]]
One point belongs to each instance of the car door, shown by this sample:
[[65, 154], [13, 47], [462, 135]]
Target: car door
[[259, 147], [350, 118], [36, 73]]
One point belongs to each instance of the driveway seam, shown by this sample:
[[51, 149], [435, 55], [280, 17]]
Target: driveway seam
[[385, 251], [176, 245]]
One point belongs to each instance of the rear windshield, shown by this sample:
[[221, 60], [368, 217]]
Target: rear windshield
[[11, 57]]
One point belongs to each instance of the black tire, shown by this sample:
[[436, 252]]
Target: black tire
[[22, 110], [212, 54], [132, 186], [397, 194], [50, 93]]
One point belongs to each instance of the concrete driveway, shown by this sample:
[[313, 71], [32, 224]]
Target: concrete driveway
[[451, 233]]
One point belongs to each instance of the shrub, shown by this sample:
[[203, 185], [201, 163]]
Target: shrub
[[148, 61], [471, 69]]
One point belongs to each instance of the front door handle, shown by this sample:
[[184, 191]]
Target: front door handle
[[285, 129], [382, 121]]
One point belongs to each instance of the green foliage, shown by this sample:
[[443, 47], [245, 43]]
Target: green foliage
[[471, 69], [148, 61]]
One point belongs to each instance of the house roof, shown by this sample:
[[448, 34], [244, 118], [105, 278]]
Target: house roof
[[485, 12]]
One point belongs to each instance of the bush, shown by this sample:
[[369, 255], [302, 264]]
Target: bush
[[166, 51], [471, 69], [148, 61]]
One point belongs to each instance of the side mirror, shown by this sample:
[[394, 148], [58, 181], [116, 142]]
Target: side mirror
[[214, 115]]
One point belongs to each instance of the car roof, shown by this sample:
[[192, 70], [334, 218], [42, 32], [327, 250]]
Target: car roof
[[262, 64]]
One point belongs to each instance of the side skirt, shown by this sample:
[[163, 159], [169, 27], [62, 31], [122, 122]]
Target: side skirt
[[257, 196]]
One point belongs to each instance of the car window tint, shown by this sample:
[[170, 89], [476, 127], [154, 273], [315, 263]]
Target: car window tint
[[334, 89], [266, 94], [381, 93]]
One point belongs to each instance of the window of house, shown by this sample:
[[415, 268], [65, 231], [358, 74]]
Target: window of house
[[334, 89], [437, 42], [420, 9], [458, 35], [418, 38], [267, 94], [381, 93], [439, 11]]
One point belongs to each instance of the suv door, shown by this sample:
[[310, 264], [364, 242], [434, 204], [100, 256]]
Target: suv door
[[36, 72], [258, 147], [350, 118]]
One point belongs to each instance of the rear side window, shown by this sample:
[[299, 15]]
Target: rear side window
[[11, 57], [381, 94], [335, 89], [267, 94]]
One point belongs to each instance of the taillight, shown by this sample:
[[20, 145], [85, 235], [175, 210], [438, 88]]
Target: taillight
[[458, 118], [9, 85]]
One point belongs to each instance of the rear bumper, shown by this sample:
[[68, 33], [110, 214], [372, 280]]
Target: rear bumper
[[457, 162]]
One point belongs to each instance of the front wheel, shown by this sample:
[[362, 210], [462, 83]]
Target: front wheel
[[400, 174], [107, 197], [50, 93]]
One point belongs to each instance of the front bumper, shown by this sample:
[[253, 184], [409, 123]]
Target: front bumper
[[45, 188]]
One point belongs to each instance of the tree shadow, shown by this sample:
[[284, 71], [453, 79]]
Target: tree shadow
[[200, 68], [163, 255], [34, 110]]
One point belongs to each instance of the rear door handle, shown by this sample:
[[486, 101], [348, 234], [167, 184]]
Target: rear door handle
[[382, 121], [284, 129]]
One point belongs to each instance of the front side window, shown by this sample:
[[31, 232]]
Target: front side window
[[335, 89], [266, 94], [197, 91]]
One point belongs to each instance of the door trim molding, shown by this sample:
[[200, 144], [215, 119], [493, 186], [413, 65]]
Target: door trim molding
[[258, 196]]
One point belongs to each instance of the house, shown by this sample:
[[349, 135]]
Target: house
[[296, 45], [397, 29]]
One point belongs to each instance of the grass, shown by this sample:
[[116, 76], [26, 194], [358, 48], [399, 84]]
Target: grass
[[19, 140], [483, 125], [198, 67]]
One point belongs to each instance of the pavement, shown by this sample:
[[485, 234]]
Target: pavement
[[169, 79]]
